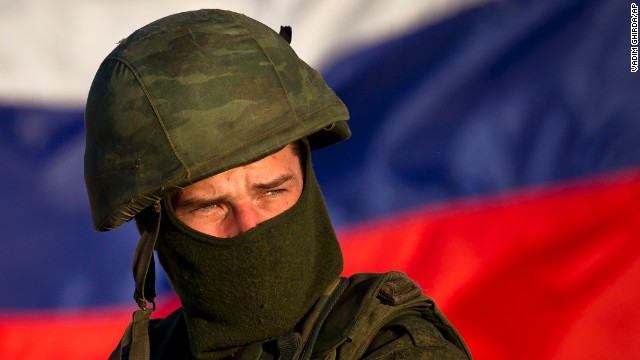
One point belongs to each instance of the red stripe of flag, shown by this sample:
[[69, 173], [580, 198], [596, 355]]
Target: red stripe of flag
[[538, 274]]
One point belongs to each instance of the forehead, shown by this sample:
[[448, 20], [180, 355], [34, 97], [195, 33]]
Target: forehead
[[284, 161]]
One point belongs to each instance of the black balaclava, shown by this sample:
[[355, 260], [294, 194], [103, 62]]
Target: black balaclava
[[257, 285]]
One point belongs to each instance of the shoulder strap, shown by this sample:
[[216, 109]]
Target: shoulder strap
[[370, 302], [319, 315]]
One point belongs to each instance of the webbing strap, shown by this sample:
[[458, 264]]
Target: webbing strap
[[134, 344], [324, 313], [289, 346], [143, 264], [136, 336]]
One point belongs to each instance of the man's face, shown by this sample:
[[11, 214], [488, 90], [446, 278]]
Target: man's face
[[237, 200]]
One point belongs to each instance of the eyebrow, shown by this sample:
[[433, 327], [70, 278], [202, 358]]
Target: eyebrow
[[273, 183], [199, 202], [192, 203]]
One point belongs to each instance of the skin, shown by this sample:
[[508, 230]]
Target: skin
[[232, 202]]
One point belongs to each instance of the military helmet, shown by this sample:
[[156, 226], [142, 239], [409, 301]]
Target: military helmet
[[192, 95]]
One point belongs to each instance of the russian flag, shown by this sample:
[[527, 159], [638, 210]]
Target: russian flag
[[495, 158]]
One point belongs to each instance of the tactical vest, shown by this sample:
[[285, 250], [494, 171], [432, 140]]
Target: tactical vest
[[341, 326]]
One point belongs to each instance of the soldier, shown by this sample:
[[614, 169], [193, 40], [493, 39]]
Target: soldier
[[200, 126]]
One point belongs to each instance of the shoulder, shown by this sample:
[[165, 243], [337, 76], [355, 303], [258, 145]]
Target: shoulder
[[386, 316], [411, 337]]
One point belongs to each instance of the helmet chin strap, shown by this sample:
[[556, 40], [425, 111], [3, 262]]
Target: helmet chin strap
[[144, 272], [136, 336]]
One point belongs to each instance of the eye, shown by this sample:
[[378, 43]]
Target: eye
[[207, 208], [274, 192]]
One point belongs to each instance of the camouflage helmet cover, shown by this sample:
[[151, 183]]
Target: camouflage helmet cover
[[192, 95]]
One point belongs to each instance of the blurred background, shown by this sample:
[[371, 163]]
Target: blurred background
[[495, 158]]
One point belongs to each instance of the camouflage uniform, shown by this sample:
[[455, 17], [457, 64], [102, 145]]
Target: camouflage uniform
[[366, 316], [198, 93]]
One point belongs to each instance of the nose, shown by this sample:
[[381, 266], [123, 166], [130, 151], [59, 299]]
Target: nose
[[246, 217]]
